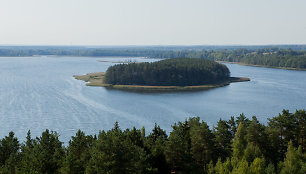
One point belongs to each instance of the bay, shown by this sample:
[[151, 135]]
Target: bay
[[38, 93]]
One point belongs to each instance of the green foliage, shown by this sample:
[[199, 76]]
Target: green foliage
[[241, 167], [270, 169], [240, 142], [178, 153], [266, 57], [223, 139], [223, 168], [8, 147], [251, 153], [202, 143], [300, 128], [155, 144], [284, 126], [192, 147], [78, 153], [271, 56], [49, 152], [258, 166], [114, 152], [9, 157], [295, 161], [42, 155], [169, 72]]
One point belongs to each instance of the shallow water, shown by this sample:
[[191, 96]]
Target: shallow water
[[37, 93]]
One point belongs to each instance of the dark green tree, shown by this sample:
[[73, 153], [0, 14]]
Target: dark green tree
[[202, 143], [283, 125], [240, 142], [155, 144], [9, 156], [223, 139], [115, 153], [295, 161], [43, 155], [178, 153], [300, 128], [78, 153]]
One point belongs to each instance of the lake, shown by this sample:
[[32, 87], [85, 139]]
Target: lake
[[39, 93]]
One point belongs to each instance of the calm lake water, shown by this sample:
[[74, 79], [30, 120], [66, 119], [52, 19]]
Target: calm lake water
[[39, 93]]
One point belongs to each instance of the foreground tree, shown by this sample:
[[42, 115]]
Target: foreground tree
[[78, 153], [284, 126], [155, 145], [115, 153], [43, 155], [178, 152], [295, 161], [240, 142], [223, 138], [9, 156], [192, 147], [202, 143]]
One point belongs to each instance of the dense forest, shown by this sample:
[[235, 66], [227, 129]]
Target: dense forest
[[238, 145], [287, 56], [269, 57], [169, 72], [264, 57]]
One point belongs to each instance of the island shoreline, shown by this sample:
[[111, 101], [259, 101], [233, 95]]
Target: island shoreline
[[96, 79]]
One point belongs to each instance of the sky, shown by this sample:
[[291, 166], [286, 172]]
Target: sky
[[152, 22]]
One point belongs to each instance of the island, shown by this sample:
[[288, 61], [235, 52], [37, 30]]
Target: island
[[164, 75]]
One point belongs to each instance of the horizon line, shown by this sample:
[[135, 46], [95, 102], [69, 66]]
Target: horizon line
[[144, 45]]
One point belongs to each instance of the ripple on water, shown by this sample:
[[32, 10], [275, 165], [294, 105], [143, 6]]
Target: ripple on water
[[39, 93]]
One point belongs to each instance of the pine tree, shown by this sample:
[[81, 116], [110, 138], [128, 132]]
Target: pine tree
[[223, 168], [295, 161], [9, 147], [155, 143], [27, 155], [178, 149], [300, 128], [49, 152], [78, 153], [257, 166], [223, 139], [241, 167], [233, 126], [251, 153], [115, 153], [284, 125], [202, 143], [240, 142], [270, 169]]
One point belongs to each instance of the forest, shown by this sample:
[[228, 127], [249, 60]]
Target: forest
[[264, 57], [284, 56], [238, 145], [169, 72]]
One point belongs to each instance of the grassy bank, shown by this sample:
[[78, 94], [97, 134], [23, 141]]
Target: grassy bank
[[96, 79]]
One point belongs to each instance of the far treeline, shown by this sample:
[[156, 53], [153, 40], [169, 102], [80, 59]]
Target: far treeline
[[169, 72], [238, 145], [284, 56]]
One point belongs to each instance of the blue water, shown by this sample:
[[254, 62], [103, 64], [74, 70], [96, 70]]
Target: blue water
[[39, 93]]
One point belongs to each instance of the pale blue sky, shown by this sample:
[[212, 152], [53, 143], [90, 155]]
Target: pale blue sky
[[152, 22]]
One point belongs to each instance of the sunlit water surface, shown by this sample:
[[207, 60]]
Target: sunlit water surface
[[39, 93]]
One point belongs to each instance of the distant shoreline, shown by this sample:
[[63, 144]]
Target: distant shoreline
[[246, 64], [96, 79]]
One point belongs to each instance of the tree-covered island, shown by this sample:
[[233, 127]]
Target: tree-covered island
[[168, 74]]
